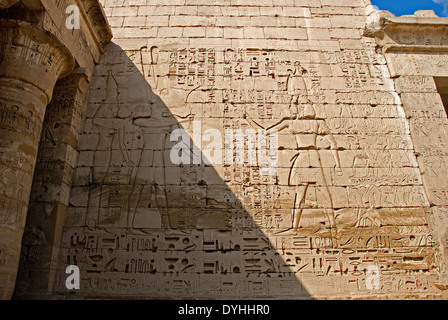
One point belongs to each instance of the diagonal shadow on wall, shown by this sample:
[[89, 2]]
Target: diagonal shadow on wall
[[141, 226]]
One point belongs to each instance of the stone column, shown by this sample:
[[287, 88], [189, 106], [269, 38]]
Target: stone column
[[31, 61], [49, 199]]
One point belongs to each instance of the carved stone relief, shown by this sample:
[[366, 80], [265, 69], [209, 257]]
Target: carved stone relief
[[257, 150], [347, 193], [34, 54], [415, 49]]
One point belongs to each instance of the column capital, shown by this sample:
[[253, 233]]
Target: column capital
[[33, 55]]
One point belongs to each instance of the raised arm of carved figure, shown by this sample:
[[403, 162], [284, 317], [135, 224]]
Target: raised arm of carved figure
[[150, 122], [283, 124]]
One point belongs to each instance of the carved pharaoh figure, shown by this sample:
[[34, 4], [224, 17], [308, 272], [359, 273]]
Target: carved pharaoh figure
[[306, 168]]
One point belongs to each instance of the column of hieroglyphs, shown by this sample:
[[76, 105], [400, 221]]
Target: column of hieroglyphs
[[344, 214]]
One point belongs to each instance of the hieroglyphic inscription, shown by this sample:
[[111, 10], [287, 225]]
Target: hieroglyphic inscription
[[347, 194]]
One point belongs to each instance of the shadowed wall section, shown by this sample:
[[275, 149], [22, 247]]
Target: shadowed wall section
[[141, 226]]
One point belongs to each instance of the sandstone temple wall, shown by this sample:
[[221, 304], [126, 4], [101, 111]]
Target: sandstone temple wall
[[347, 195], [244, 149]]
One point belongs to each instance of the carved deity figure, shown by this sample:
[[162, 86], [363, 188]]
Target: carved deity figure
[[161, 123]]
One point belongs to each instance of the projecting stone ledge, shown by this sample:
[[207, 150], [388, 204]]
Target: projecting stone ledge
[[422, 31]]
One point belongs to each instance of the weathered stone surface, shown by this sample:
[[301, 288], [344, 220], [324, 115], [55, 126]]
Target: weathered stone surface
[[233, 149], [32, 59], [31, 62], [347, 196], [416, 48], [7, 3]]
